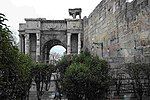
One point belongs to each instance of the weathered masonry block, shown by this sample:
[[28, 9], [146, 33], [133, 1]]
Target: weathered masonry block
[[123, 29], [119, 31]]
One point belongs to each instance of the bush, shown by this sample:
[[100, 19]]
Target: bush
[[86, 78]]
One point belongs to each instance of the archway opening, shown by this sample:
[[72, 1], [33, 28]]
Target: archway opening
[[53, 49], [55, 54]]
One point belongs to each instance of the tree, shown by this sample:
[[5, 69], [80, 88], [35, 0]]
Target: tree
[[42, 75], [25, 67], [63, 64], [15, 67], [61, 67], [86, 78]]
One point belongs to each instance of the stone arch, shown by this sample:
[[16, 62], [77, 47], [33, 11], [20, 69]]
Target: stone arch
[[47, 47], [68, 33]]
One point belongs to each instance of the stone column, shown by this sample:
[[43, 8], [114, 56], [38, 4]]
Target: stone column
[[37, 47], [23, 44], [45, 54], [20, 43], [68, 43], [27, 43], [79, 43]]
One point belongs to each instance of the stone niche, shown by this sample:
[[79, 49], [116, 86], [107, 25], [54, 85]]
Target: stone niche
[[74, 43], [32, 38]]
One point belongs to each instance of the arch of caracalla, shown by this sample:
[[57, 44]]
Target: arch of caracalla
[[38, 36], [116, 29]]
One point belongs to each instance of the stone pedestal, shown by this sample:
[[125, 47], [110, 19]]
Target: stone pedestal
[[68, 43], [27, 43]]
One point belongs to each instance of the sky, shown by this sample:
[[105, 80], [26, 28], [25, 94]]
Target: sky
[[17, 10], [58, 49]]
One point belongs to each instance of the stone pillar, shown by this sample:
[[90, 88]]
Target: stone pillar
[[47, 57], [79, 43], [23, 44], [20, 43], [37, 47], [45, 54], [68, 43], [27, 43]]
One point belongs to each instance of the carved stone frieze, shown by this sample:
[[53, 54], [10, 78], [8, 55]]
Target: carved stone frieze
[[54, 26]]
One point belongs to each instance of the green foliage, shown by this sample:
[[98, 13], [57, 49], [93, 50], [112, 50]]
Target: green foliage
[[63, 64], [74, 81], [86, 78], [15, 67], [41, 74], [41, 71]]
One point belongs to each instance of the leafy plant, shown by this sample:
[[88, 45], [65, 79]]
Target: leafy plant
[[86, 78]]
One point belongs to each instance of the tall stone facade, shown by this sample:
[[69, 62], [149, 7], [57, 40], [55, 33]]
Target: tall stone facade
[[119, 29], [38, 36]]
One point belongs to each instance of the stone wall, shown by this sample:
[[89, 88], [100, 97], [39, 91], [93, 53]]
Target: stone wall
[[123, 29]]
